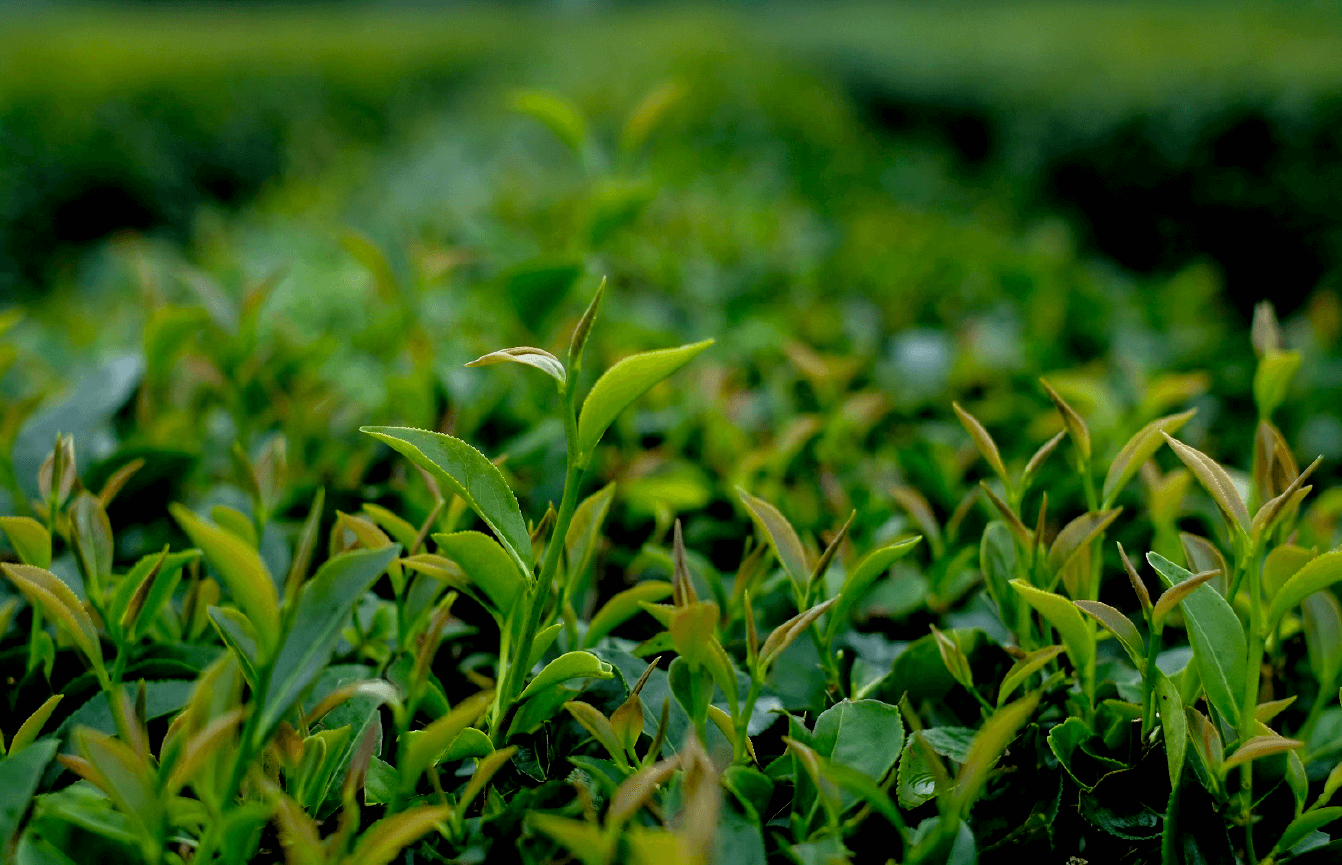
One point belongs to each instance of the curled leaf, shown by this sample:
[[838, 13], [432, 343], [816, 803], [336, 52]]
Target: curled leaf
[[526, 355]]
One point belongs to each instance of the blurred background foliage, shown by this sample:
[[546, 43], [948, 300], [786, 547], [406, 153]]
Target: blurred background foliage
[[262, 225]]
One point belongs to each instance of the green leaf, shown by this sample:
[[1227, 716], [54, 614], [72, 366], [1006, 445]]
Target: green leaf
[[324, 605], [142, 593], [125, 777], [487, 565], [1076, 427], [780, 534], [984, 442], [1023, 669], [1061, 614], [1076, 535], [989, 743], [599, 726], [583, 535], [1120, 626], [19, 776], [587, 842], [30, 540], [1219, 644], [866, 735], [1173, 724], [382, 843], [538, 358], [1140, 448], [49, 592], [1323, 636], [1216, 480], [28, 731], [426, 747], [1272, 379], [466, 472], [569, 666], [623, 607], [997, 560], [242, 570], [238, 634], [1259, 747], [625, 382], [1068, 742], [872, 567], [558, 115], [1315, 576], [1304, 825]]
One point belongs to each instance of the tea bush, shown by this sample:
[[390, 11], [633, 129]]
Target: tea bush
[[954, 545]]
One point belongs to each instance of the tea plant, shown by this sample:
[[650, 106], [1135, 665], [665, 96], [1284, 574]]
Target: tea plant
[[431, 690]]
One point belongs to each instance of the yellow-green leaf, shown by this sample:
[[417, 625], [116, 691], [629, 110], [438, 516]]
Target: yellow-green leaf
[[571, 665], [1140, 448], [1315, 576], [29, 730], [625, 382], [48, 592], [1061, 614], [30, 540], [241, 569], [624, 606], [487, 566], [781, 537], [1120, 626]]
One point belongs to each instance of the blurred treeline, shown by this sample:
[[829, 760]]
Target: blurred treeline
[[1167, 132]]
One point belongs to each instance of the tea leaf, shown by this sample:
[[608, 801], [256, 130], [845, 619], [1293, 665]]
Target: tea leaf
[[783, 635], [1215, 480], [1076, 536], [1023, 669], [1272, 379], [242, 570], [625, 382], [1303, 826], [1202, 556], [538, 358], [953, 657], [45, 590], [1076, 427], [466, 472], [1259, 746], [867, 571], [1140, 448], [1323, 635], [559, 116], [693, 630], [303, 550], [1219, 643], [382, 842], [124, 777], [1175, 594], [584, 327], [19, 777], [623, 607], [486, 565], [1061, 614], [1173, 725], [30, 540], [1314, 576], [1120, 626], [599, 726], [984, 442], [781, 537], [28, 731], [324, 605], [866, 735], [586, 841], [572, 665], [584, 532], [425, 746], [1138, 587], [991, 740]]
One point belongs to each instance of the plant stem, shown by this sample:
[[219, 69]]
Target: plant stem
[[742, 732], [1149, 683], [538, 597], [1254, 574]]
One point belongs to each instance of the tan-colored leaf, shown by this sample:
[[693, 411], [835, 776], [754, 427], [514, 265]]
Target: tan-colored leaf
[[1260, 746], [49, 592], [1138, 587], [1171, 597], [1215, 479], [1076, 427], [1076, 535], [784, 634], [634, 792], [984, 442], [382, 842]]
